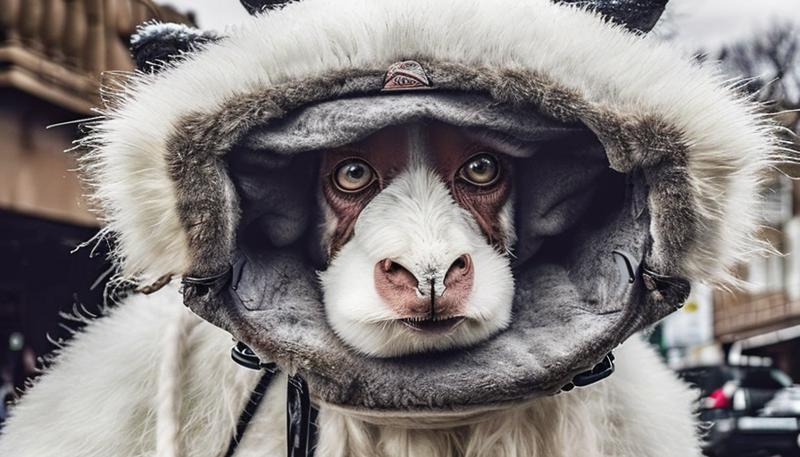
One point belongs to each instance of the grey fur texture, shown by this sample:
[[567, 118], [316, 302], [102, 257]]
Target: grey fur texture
[[570, 288]]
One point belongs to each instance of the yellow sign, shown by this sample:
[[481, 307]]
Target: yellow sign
[[691, 307]]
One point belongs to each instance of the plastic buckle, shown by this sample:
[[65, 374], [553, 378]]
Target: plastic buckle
[[244, 356], [600, 371]]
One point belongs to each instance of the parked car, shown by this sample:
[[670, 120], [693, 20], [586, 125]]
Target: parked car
[[747, 411], [785, 403]]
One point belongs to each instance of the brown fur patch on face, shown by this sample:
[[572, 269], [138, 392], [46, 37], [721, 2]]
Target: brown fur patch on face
[[386, 152], [453, 149]]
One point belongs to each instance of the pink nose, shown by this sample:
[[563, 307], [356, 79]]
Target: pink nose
[[401, 290]]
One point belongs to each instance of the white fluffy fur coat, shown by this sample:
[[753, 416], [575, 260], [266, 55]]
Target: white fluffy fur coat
[[112, 386]]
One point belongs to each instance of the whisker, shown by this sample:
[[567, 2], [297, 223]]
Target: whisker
[[76, 121]]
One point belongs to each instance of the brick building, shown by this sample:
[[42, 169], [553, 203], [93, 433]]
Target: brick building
[[763, 319], [760, 321]]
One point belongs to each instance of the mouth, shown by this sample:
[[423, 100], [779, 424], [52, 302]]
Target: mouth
[[433, 326]]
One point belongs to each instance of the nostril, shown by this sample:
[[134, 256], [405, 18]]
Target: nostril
[[396, 274], [391, 267], [459, 269]]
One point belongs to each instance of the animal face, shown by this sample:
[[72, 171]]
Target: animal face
[[417, 226]]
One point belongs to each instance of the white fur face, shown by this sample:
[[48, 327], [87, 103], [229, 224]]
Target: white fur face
[[419, 256]]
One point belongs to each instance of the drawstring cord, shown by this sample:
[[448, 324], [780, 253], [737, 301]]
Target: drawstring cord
[[168, 394]]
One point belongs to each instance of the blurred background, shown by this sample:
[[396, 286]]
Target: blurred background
[[741, 348]]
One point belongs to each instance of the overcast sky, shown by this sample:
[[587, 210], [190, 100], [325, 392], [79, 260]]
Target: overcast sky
[[699, 23], [710, 23]]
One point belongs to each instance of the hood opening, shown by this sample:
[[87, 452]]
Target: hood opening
[[572, 304]]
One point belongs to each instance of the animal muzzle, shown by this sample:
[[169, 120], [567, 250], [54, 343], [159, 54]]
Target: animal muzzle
[[434, 295]]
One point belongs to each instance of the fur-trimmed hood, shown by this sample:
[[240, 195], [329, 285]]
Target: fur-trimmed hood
[[157, 162], [580, 57]]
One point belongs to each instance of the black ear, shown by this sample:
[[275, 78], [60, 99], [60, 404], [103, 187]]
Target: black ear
[[636, 15], [156, 43], [259, 6]]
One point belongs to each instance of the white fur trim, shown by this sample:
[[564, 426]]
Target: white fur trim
[[729, 144]]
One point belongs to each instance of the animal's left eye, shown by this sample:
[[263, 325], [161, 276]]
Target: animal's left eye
[[481, 170], [353, 175]]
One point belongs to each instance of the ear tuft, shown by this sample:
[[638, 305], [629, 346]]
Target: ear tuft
[[259, 6], [635, 15], [156, 43]]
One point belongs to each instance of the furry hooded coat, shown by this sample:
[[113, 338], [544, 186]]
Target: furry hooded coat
[[151, 378]]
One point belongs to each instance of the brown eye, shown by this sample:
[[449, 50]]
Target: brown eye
[[481, 170], [353, 175]]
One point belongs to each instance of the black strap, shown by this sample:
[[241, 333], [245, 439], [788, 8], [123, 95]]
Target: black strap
[[251, 407], [301, 418], [301, 415]]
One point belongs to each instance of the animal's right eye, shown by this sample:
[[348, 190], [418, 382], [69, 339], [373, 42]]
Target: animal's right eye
[[481, 170], [353, 175]]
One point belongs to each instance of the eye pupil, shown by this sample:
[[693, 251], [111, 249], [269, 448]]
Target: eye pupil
[[355, 172], [481, 170], [480, 166]]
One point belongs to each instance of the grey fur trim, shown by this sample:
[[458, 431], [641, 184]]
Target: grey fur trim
[[207, 204]]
